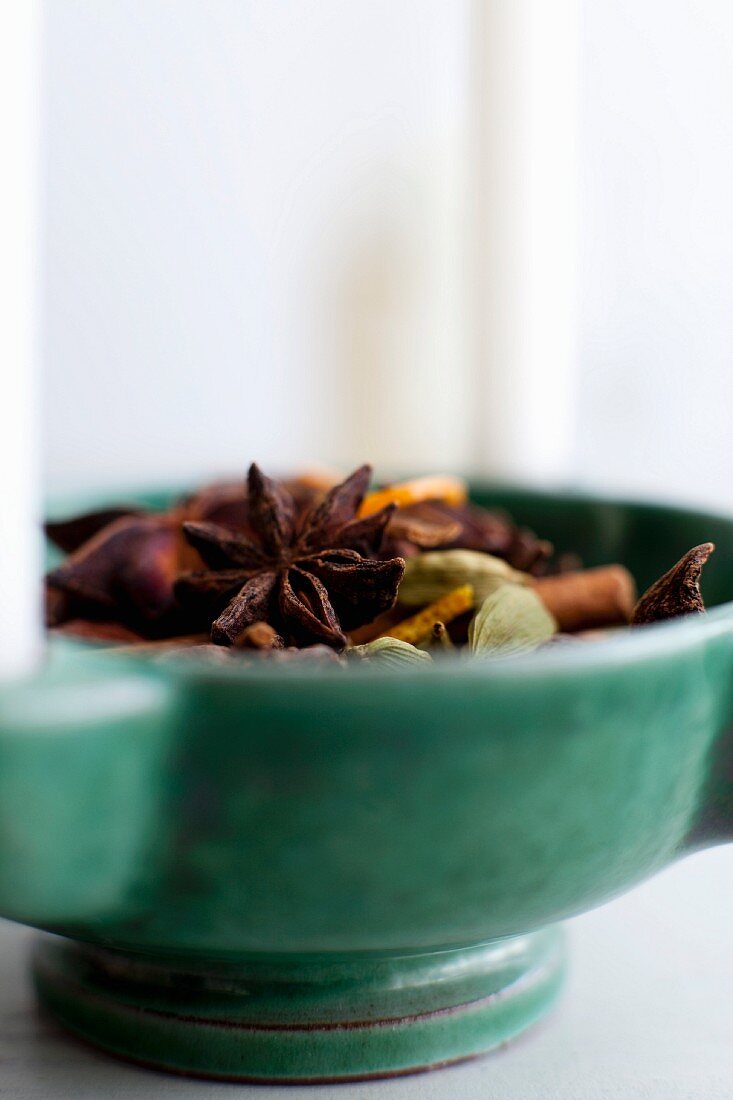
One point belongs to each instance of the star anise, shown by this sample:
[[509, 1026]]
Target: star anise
[[117, 580], [311, 573]]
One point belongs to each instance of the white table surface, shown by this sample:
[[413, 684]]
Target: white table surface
[[647, 1013]]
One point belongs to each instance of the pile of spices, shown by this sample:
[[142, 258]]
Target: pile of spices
[[320, 569]]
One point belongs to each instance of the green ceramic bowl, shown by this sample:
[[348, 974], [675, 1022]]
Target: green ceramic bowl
[[278, 875]]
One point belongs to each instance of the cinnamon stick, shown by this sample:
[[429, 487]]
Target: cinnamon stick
[[588, 598]]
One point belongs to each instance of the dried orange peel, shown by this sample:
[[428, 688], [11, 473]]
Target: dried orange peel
[[442, 487], [419, 627]]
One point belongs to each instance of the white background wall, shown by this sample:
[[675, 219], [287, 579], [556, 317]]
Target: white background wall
[[255, 233], [256, 228], [656, 399]]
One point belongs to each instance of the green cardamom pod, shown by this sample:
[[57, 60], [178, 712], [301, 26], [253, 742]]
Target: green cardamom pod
[[512, 620], [391, 652], [429, 576]]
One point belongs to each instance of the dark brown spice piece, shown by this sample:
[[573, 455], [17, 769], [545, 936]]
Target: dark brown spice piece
[[70, 534], [434, 525], [425, 532], [311, 576], [123, 574], [227, 502], [58, 607], [677, 592]]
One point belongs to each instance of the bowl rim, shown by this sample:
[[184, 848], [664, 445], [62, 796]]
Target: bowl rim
[[625, 647]]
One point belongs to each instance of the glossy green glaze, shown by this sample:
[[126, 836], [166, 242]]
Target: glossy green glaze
[[303, 1020], [297, 852]]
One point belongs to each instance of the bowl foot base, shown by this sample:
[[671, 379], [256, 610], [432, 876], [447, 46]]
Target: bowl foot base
[[317, 1018]]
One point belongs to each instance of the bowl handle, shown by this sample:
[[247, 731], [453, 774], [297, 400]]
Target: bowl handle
[[714, 821], [81, 746]]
